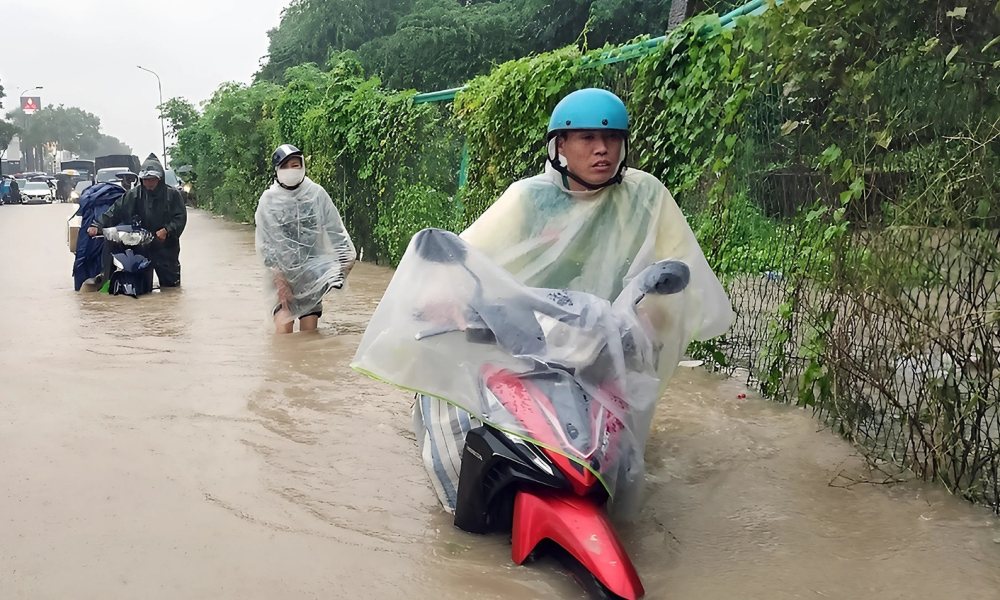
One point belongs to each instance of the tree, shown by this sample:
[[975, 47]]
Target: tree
[[7, 133], [311, 29], [72, 129], [443, 44], [178, 113], [228, 146], [67, 128], [430, 44], [109, 144]]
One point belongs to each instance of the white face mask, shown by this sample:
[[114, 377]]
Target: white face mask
[[291, 177]]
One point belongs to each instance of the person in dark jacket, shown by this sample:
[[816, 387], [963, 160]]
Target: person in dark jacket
[[157, 207], [15, 192]]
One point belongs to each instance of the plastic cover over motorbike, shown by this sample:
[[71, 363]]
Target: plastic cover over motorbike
[[541, 235], [94, 202], [302, 241]]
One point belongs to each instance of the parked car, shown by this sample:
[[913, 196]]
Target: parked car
[[37, 192]]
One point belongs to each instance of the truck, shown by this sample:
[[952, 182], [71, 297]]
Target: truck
[[85, 168], [129, 161]]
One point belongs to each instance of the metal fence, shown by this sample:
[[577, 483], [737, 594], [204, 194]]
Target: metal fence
[[890, 333]]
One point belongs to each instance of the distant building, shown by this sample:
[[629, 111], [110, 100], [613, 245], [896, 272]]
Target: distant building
[[10, 159], [13, 150]]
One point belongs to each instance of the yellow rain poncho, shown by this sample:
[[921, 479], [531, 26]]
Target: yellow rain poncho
[[596, 241], [539, 234]]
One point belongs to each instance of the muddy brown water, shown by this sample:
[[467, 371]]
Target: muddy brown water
[[172, 447]]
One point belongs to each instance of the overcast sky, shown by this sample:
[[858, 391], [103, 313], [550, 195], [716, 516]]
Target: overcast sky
[[84, 53]]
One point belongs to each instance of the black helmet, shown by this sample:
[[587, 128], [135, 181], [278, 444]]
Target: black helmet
[[283, 153], [439, 246]]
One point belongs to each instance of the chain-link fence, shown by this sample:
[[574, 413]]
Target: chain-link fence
[[890, 328]]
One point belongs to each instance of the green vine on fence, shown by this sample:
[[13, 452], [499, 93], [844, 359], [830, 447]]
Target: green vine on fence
[[503, 117]]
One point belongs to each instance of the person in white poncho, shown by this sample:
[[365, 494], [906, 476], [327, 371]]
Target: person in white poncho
[[587, 224], [302, 241]]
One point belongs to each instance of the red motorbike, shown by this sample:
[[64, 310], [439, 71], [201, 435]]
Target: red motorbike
[[545, 488]]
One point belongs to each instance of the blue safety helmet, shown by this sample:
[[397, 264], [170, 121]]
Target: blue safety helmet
[[592, 108], [589, 109]]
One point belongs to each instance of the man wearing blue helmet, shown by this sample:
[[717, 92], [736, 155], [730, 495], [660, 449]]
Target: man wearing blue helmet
[[589, 130], [588, 223]]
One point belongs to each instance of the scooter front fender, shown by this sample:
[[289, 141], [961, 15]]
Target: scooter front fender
[[581, 527]]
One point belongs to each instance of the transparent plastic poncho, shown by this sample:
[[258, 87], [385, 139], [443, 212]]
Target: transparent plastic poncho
[[305, 249], [547, 291]]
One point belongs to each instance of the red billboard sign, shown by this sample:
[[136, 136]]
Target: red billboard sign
[[30, 104]]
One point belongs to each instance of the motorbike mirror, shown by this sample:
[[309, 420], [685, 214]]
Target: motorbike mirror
[[439, 246], [665, 277]]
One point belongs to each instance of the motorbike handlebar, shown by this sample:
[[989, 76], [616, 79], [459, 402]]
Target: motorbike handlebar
[[665, 277], [475, 335], [439, 246], [476, 331]]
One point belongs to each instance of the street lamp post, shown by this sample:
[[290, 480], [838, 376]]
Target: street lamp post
[[163, 131], [37, 87], [24, 121]]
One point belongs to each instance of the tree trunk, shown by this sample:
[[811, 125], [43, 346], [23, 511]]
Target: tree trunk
[[678, 12]]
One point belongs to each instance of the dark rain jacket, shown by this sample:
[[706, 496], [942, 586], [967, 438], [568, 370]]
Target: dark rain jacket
[[162, 208]]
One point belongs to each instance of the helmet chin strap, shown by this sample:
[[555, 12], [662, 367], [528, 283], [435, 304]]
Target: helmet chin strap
[[567, 174]]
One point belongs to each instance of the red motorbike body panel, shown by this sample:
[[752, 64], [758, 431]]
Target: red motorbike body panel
[[575, 519], [581, 527]]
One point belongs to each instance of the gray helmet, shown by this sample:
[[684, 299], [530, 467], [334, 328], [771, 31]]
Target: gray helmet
[[283, 153]]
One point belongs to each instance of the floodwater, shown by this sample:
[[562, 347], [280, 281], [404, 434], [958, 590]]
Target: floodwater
[[172, 447]]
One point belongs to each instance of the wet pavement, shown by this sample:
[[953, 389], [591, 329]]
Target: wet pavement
[[172, 447]]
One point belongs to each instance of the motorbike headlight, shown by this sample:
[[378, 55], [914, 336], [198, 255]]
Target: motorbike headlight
[[75, 195], [187, 188], [493, 407], [533, 454], [133, 238]]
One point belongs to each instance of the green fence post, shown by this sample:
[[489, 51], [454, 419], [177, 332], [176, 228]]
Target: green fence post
[[463, 169]]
